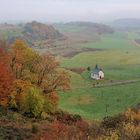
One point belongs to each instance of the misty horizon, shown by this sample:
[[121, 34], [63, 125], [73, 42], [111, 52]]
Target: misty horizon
[[67, 11]]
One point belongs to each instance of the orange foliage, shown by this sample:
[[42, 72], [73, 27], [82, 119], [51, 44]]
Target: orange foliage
[[19, 90], [41, 70], [50, 78], [30, 70]]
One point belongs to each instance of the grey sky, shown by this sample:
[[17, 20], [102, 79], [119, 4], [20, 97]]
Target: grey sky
[[68, 10]]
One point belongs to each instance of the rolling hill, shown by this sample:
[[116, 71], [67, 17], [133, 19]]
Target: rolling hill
[[84, 26], [38, 31], [30, 32]]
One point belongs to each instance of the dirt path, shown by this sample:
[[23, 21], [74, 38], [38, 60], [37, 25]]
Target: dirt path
[[132, 41], [107, 85], [118, 83]]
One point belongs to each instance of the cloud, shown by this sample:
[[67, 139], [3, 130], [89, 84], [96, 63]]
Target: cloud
[[67, 10]]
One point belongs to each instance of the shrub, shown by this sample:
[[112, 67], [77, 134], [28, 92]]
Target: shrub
[[88, 68], [113, 122], [51, 101], [34, 128], [3, 111], [67, 118], [13, 116], [34, 103]]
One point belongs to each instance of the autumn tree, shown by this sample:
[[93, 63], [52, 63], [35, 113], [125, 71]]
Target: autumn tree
[[23, 58], [41, 70], [34, 70], [6, 78], [34, 103], [18, 94], [50, 77]]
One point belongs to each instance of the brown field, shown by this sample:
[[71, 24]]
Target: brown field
[[68, 46], [77, 70]]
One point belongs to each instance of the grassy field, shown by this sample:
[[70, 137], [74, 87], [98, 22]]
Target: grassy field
[[120, 61], [96, 103]]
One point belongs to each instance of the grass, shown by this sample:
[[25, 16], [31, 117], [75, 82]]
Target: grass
[[117, 40], [116, 63], [103, 101], [117, 52], [120, 61], [68, 28]]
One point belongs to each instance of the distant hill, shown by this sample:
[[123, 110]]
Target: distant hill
[[59, 39], [39, 31], [84, 26], [35, 31], [127, 23]]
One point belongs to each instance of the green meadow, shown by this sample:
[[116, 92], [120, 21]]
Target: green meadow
[[96, 103], [120, 61]]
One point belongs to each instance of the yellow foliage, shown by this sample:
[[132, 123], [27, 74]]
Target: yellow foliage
[[113, 136], [132, 115]]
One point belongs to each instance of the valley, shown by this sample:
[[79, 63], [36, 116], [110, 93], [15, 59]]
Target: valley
[[82, 46], [120, 61]]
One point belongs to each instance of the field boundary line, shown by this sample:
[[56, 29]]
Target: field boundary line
[[105, 85]]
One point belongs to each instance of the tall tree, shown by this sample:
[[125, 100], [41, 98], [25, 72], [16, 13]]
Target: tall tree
[[6, 78], [50, 77], [33, 69], [22, 58]]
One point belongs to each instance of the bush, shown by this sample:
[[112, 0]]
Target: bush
[[11, 132], [34, 103], [88, 69], [34, 128], [113, 122], [67, 118], [13, 116], [50, 105], [3, 111]]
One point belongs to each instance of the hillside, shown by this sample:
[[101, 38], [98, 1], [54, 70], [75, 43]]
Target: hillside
[[9, 31], [38, 31], [84, 26], [61, 39], [30, 32], [77, 34], [120, 62]]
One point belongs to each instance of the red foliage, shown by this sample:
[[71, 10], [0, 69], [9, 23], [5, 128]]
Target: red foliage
[[60, 131], [56, 131], [53, 98], [5, 77], [68, 119]]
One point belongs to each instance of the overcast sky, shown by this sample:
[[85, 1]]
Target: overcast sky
[[68, 10]]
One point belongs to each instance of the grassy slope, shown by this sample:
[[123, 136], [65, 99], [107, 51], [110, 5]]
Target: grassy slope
[[116, 98], [120, 61], [68, 28]]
